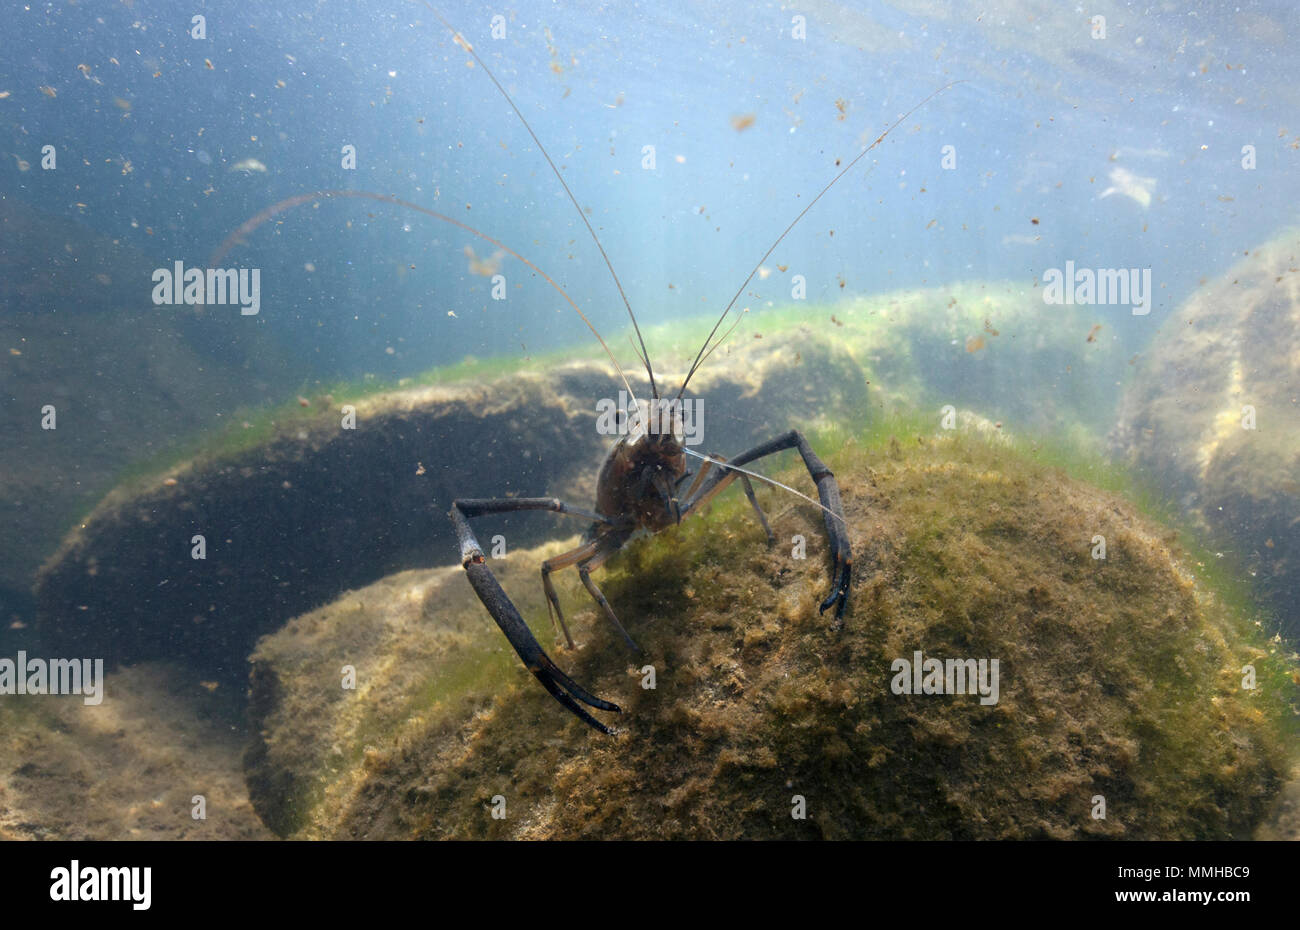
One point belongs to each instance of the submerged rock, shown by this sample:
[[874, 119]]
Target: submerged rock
[[159, 749], [84, 350], [297, 509], [310, 509], [1119, 680], [990, 346], [1214, 414]]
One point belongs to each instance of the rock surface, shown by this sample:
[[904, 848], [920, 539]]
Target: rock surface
[[1214, 415], [128, 768], [79, 333], [1118, 677], [315, 509], [310, 509]]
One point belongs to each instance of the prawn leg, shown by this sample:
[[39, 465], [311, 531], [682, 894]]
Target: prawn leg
[[563, 688], [718, 486], [827, 489]]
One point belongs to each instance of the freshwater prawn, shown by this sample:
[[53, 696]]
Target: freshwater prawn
[[645, 484]]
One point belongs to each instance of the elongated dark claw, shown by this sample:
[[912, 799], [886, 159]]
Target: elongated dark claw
[[563, 688], [555, 681], [839, 590]]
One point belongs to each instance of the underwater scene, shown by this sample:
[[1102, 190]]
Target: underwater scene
[[609, 420]]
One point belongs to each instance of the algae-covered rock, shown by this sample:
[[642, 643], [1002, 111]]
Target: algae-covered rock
[[992, 346], [319, 503], [84, 350], [297, 509], [1214, 414], [158, 748], [1120, 680]]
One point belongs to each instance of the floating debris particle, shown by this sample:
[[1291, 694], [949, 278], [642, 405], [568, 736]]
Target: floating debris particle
[[1092, 333], [974, 344], [743, 121], [48, 91], [484, 267], [1127, 184], [249, 166]]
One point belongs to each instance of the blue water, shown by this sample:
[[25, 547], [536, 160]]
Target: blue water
[[1045, 114]]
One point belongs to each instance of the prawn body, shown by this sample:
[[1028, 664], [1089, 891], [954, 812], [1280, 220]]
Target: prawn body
[[644, 484]]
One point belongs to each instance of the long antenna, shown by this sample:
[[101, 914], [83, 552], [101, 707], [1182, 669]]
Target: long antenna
[[771, 481], [464, 43], [288, 203], [699, 357]]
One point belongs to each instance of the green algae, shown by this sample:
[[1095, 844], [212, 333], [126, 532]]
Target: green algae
[[904, 341], [1121, 678]]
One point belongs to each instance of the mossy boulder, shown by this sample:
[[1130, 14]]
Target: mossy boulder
[[79, 334], [992, 346], [302, 508], [1119, 678], [127, 768], [1214, 415], [294, 509]]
